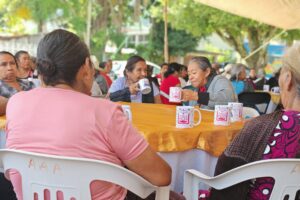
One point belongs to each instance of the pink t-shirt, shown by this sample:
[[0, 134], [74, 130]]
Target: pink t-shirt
[[68, 123]]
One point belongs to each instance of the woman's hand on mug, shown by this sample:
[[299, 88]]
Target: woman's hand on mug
[[189, 95], [134, 88]]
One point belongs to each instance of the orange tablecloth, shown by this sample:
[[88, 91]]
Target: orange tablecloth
[[2, 122], [156, 122], [275, 97]]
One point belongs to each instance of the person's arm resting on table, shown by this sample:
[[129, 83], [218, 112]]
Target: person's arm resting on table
[[120, 95], [135, 152], [200, 97], [152, 167], [222, 93]]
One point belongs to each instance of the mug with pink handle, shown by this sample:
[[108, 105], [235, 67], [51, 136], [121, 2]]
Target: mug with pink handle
[[185, 116]]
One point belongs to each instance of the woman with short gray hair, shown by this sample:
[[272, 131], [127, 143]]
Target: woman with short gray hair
[[238, 79], [209, 89]]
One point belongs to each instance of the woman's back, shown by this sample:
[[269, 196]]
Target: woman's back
[[283, 143], [69, 123]]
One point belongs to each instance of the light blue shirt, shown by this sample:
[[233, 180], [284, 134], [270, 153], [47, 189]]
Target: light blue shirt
[[238, 86], [120, 84]]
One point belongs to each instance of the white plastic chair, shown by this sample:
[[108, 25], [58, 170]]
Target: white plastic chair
[[249, 113], [286, 173], [71, 176]]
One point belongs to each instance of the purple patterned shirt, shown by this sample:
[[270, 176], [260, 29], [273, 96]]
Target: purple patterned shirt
[[283, 143]]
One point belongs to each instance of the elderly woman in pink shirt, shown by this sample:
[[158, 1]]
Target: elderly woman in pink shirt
[[62, 119]]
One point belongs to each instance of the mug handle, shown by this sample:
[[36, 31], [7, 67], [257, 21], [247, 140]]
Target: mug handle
[[200, 118], [128, 114]]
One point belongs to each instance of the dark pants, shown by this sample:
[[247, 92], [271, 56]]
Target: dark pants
[[173, 196], [6, 189]]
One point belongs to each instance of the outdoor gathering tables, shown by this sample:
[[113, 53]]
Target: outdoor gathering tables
[[190, 148], [156, 122], [275, 100], [275, 97]]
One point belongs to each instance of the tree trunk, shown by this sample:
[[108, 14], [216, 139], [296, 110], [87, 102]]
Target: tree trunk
[[40, 26], [256, 37], [88, 24], [166, 49]]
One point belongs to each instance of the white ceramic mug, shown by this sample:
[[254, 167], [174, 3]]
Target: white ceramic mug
[[185, 116], [266, 88], [275, 89], [127, 112], [144, 86], [236, 111], [222, 115], [175, 94]]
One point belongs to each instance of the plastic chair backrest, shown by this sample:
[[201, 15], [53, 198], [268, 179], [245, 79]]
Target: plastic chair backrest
[[286, 173], [249, 113], [251, 99], [71, 176]]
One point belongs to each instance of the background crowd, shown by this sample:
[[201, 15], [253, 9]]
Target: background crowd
[[69, 76]]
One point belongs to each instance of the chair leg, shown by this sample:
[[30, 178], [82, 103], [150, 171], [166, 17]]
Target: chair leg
[[163, 193]]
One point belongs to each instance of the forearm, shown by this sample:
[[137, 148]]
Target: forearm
[[151, 167], [203, 98], [221, 97], [121, 95], [157, 99]]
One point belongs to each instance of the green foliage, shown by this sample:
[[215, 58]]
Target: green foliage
[[179, 43], [117, 37], [42, 10], [150, 53], [98, 43], [201, 21]]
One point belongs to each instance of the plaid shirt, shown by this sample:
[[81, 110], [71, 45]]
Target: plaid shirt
[[8, 91]]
